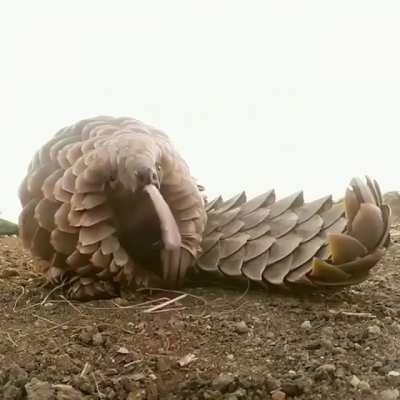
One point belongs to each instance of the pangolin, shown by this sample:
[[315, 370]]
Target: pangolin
[[109, 203]]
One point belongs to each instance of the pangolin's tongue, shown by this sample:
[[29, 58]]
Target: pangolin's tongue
[[169, 229]]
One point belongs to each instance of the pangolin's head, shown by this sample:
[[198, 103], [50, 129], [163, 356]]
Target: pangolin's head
[[143, 213], [138, 163]]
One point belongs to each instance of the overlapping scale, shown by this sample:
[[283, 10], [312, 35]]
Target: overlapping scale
[[290, 242]]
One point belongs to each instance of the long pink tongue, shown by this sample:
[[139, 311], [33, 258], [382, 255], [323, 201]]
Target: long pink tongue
[[169, 229]]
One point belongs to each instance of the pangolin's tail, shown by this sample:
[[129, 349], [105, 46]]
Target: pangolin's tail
[[289, 242]]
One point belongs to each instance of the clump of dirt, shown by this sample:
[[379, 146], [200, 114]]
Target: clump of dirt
[[211, 343]]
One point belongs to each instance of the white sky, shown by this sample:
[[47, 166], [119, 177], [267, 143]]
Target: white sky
[[256, 94]]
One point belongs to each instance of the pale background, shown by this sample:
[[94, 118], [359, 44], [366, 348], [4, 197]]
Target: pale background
[[256, 94]]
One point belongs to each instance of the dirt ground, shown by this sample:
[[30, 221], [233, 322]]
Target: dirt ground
[[214, 343]]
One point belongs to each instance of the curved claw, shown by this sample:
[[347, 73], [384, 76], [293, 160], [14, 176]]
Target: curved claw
[[175, 264]]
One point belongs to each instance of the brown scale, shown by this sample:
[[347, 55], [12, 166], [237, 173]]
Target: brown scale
[[108, 202]]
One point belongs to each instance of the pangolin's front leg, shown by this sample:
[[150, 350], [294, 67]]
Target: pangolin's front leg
[[175, 259]]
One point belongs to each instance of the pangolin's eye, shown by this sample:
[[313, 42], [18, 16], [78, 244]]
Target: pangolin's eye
[[158, 167]]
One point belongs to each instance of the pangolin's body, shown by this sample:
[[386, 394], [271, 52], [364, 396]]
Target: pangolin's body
[[110, 202]]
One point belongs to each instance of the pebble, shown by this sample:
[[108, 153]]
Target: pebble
[[84, 384], [163, 364], [340, 372], [389, 394], [222, 381], [278, 395], [97, 339], [364, 386], [139, 394], [39, 390], [306, 325], [327, 331], [374, 330], [396, 326], [64, 363], [291, 389], [355, 381], [393, 377], [271, 383], [325, 371], [238, 394], [241, 327], [67, 392], [327, 344], [121, 302], [17, 376], [85, 336]]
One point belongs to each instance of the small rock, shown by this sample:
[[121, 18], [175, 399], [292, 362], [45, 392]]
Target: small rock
[[186, 360], [306, 325], [303, 384], [123, 350], [389, 394], [327, 331], [271, 383], [38, 390], [139, 394], [241, 327], [339, 350], [17, 376], [374, 330], [64, 363], [222, 381], [98, 339], [129, 382], [393, 377], [163, 364], [138, 377], [340, 372], [291, 389], [364, 386], [85, 336], [121, 302], [212, 395], [67, 392], [83, 383], [313, 345], [238, 394], [110, 393], [327, 344], [355, 381], [278, 395], [396, 326], [325, 371]]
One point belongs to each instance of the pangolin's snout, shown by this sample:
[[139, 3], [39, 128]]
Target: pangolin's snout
[[147, 176]]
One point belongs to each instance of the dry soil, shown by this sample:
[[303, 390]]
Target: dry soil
[[213, 343]]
